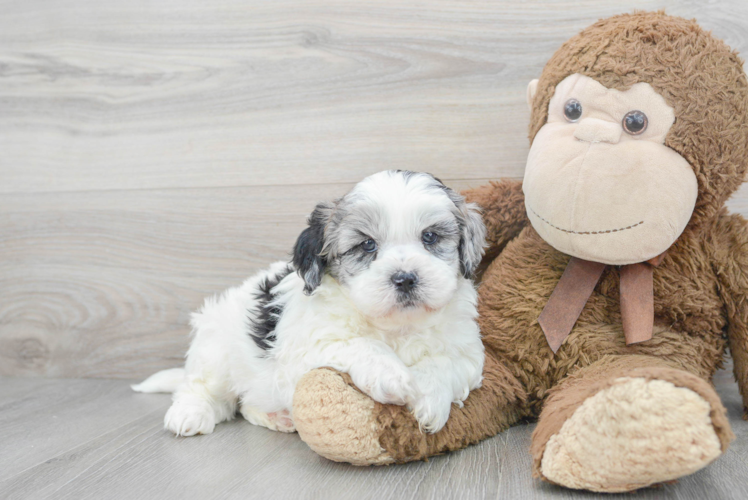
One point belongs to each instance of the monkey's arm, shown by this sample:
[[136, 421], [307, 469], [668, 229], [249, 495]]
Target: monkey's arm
[[503, 205], [732, 270]]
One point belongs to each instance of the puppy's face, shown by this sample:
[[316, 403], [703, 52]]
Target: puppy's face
[[398, 243]]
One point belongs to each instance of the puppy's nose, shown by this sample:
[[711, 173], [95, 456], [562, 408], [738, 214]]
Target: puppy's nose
[[404, 282]]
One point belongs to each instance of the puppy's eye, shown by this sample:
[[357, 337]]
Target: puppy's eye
[[572, 110], [369, 246], [429, 238], [635, 122]]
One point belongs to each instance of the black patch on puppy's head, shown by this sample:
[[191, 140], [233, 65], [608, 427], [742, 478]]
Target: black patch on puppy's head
[[308, 259]]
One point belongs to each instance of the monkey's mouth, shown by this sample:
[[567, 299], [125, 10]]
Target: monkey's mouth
[[604, 231]]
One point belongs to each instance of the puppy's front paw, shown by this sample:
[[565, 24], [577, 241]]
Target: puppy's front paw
[[188, 419], [387, 381], [432, 412]]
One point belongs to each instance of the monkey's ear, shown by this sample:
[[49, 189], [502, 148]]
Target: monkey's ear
[[532, 88], [307, 252], [472, 233]]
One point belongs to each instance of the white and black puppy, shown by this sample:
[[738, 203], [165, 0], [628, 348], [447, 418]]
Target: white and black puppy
[[379, 287]]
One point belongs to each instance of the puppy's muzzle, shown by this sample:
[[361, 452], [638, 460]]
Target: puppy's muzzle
[[404, 282]]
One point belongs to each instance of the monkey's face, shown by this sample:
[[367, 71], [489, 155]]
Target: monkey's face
[[600, 184]]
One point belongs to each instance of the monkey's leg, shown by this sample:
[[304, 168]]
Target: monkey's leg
[[627, 422], [340, 423]]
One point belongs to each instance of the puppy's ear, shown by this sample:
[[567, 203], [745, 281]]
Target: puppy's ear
[[472, 233], [307, 252]]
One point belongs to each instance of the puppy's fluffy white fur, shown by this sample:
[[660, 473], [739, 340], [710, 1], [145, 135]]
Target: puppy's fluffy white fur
[[343, 305]]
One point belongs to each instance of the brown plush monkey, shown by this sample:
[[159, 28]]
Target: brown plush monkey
[[639, 136]]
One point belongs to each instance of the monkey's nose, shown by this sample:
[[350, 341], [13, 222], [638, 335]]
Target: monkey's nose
[[404, 282], [596, 130]]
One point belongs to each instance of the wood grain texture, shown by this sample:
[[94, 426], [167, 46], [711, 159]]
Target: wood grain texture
[[95, 439], [153, 153], [142, 95]]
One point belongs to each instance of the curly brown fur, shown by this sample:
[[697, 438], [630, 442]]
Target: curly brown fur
[[689, 315], [503, 205], [730, 234]]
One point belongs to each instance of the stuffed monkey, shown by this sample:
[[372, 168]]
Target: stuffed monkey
[[615, 278]]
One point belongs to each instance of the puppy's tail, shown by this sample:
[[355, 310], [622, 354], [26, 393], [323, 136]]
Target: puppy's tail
[[163, 381]]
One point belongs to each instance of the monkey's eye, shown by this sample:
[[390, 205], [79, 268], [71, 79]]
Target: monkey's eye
[[429, 238], [572, 110], [635, 122], [369, 246]]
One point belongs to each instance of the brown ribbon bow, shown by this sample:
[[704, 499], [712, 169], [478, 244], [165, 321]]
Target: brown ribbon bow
[[575, 288]]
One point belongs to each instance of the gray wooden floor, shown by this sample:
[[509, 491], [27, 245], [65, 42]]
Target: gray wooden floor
[[94, 438]]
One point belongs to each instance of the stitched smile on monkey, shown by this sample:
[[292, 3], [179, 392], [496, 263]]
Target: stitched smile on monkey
[[600, 184]]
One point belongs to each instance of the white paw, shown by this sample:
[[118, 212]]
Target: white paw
[[188, 419], [386, 380], [432, 412], [283, 421], [280, 421]]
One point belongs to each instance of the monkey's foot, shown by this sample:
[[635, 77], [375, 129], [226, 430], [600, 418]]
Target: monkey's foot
[[337, 421], [634, 433]]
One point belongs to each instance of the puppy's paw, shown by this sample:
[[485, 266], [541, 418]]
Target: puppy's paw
[[188, 419], [387, 381], [277, 421], [432, 412]]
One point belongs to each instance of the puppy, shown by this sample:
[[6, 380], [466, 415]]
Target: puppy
[[379, 287]]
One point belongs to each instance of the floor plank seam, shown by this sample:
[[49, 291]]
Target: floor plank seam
[[445, 179], [500, 453], [113, 454], [83, 444]]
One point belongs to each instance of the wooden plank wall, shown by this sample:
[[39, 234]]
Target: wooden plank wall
[[152, 153]]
